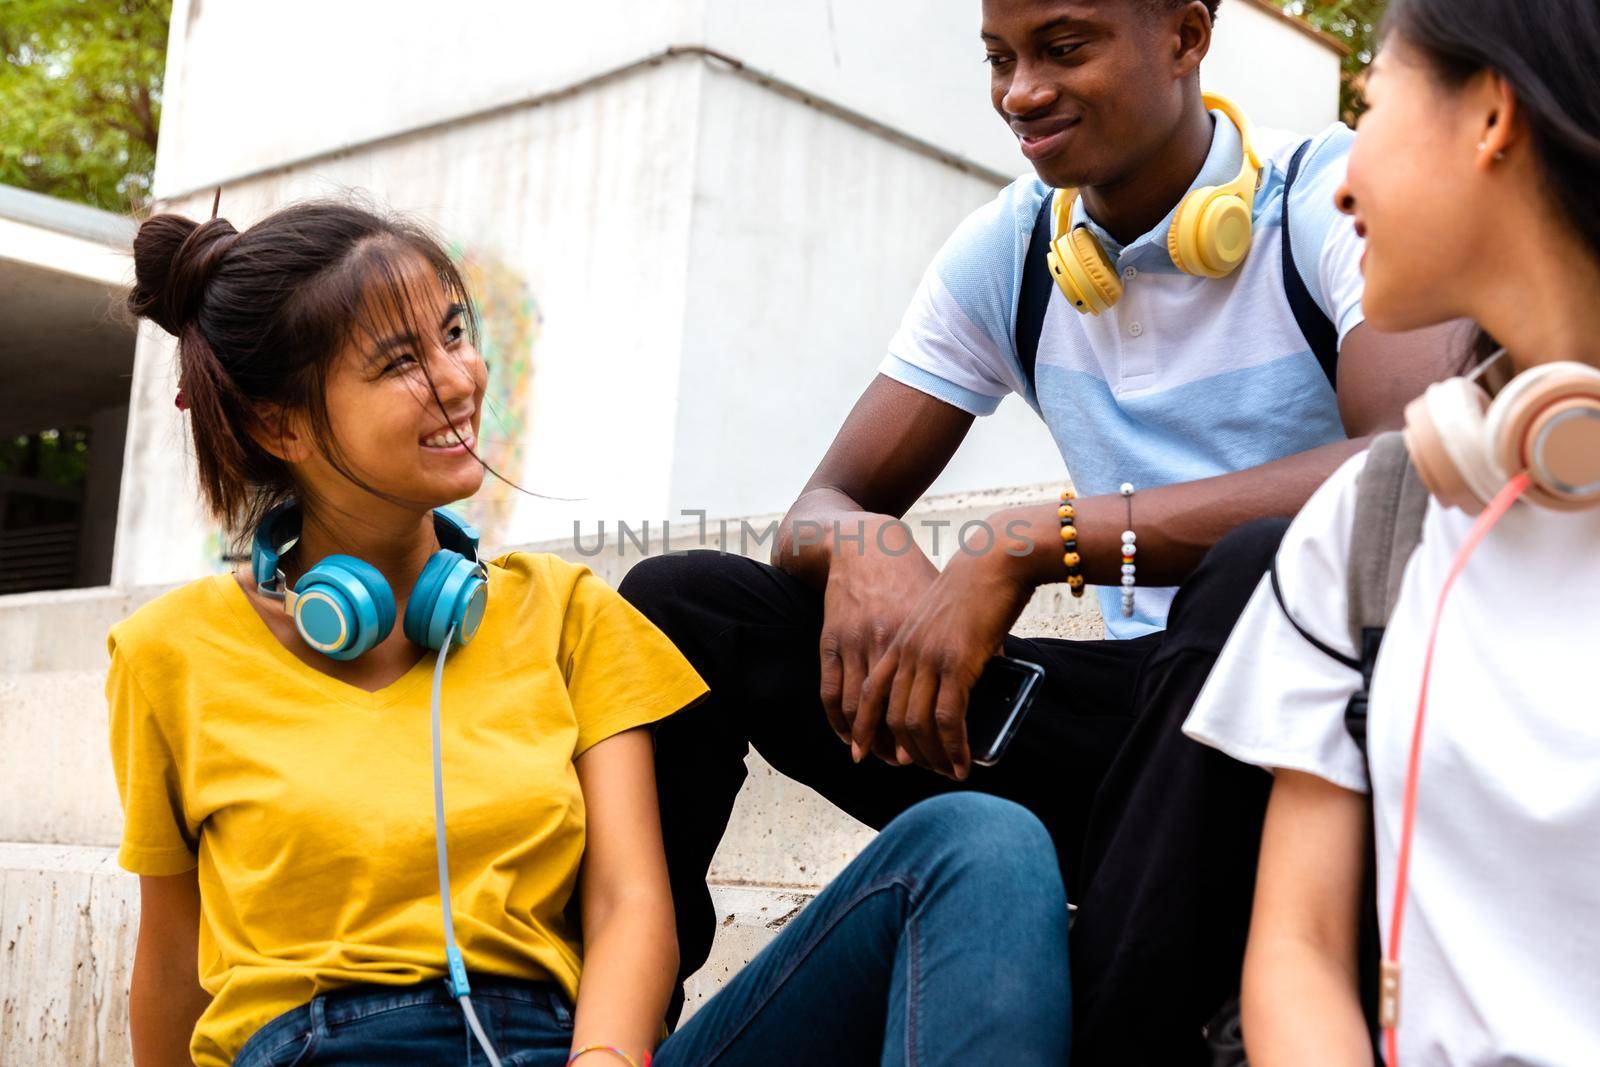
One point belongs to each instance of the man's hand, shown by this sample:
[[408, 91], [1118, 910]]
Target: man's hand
[[870, 592], [918, 691]]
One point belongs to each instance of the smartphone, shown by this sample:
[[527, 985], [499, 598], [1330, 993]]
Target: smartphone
[[997, 704]]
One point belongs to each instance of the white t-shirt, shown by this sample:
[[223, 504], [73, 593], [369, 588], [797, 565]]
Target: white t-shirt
[[1501, 952]]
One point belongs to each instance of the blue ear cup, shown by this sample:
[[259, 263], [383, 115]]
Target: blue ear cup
[[451, 590], [343, 607]]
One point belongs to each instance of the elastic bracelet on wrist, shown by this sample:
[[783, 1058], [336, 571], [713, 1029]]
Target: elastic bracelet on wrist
[[1070, 557], [617, 1052], [1130, 548]]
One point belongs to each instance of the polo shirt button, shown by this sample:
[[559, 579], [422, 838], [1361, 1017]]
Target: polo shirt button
[[1136, 329], [1130, 273]]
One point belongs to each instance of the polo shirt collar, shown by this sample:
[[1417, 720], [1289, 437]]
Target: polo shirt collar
[[1149, 250]]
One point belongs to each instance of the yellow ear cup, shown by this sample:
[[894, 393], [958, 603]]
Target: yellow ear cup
[[1082, 271], [1211, 234]]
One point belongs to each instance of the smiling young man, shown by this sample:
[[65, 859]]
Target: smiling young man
[[1221, 391]]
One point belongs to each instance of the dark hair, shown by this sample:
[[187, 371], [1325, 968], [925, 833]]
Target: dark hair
[[1546, 52], [1173, 5], [260, 316]]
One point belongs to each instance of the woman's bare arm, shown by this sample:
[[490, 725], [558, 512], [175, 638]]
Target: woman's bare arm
[[165, 1000], [1301, 1001], [630, 947]]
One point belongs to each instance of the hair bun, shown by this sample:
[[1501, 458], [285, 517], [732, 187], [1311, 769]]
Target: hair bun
[[173, 260]]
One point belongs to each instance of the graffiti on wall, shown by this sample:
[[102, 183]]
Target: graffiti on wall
[[509, 323]]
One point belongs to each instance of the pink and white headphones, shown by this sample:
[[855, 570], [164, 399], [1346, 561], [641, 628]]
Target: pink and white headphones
[[1545, 422]]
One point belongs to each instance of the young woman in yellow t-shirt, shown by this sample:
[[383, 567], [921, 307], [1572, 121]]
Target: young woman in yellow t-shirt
[[281, 736]]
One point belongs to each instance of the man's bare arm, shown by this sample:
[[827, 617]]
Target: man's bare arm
[[893, 444], [1178, 524]]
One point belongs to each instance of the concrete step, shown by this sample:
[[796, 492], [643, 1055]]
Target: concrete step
[[56, 784], [68, 916], [65, 630]]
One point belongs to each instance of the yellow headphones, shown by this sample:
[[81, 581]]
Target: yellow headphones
[[1210, 234]]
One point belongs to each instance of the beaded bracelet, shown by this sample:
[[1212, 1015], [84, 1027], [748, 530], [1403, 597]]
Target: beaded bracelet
[[617, 1052], [1130, 548], [1069, 543]]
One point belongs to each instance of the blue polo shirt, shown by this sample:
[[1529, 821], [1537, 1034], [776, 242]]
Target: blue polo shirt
[[1184, 378]]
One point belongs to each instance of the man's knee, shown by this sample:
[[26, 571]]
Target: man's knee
[[657, 581], [1247, 551]]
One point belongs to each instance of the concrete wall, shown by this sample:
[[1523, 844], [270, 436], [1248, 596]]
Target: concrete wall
[[395, 64], [1281, 75], [689, 273], [808, 238], [572, 221], [680, 268]]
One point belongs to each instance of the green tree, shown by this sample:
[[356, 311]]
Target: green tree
[[1354, 22], [80, 97]]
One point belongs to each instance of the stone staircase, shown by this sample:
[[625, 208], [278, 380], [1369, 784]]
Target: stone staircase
[[68, 914]]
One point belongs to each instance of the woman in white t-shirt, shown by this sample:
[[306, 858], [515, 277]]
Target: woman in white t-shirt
[[1473, 179]]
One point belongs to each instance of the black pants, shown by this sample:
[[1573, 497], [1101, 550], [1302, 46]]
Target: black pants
[[1157, 835]]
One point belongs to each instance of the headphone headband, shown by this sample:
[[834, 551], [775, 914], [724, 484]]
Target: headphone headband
[[1241, 122], [1249, 164], [1209, 235], [280, 528]]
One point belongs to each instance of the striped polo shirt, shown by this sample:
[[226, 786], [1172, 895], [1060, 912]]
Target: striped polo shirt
[[1184, 378]]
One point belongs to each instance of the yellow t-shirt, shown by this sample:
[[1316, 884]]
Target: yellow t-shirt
[[307, 803]]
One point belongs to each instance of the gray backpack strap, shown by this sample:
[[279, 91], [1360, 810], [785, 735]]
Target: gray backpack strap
[[1387, 532]]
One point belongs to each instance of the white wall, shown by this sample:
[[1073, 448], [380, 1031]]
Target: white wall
[[809, 238], [573, 218], [698, 273], [252, 85], [1281, 76]]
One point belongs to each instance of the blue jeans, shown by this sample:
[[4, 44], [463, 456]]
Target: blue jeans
[[944, 942]]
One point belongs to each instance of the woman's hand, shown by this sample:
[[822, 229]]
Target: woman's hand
[[872, 588], [918, 690]]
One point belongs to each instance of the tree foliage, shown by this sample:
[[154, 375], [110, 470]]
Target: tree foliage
[[80, 97], [1354, 22]]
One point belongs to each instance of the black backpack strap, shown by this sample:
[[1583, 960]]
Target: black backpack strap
[[1033, 299], [1318, 331], [1310, 638]]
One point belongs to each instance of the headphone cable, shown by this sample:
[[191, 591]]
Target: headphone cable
[[1389, 981], [459, 987]]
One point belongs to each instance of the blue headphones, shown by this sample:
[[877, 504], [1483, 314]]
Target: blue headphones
[[343, 606]]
